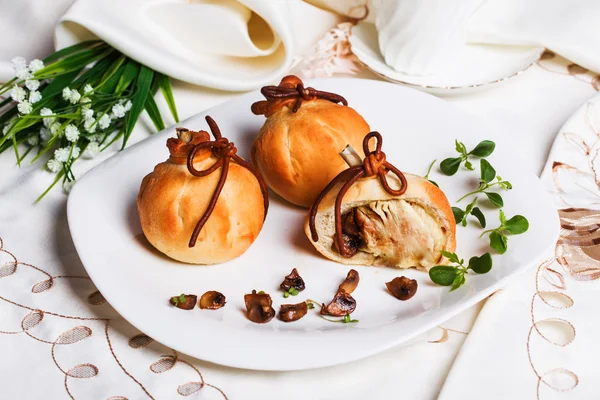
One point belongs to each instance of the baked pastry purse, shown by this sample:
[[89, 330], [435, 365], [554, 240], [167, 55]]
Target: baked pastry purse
[[205, 204]]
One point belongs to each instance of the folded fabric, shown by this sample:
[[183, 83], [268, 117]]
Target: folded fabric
[[568, 28], [229, 44], [27, 26]]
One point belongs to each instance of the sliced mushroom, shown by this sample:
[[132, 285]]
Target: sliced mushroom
[[212, 300], [341, 305], [292, 312], [402, 288], [258, 307], [351, 282], [350, 245], [184, 301], [350, 227], [293, 280]]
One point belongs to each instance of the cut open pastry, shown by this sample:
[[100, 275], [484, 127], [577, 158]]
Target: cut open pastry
[[382, 229]]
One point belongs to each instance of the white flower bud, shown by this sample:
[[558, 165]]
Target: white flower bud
[[32, 84], [71, 133], [34, 96], [54, 165], [18, 94], [104, 121], [36, 65], [62, 154], [24, 107]]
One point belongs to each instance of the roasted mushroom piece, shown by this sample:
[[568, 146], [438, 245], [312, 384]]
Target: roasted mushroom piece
[[402, 288], [184, 301], [351, 282], [259, 307], [293, 280], [341, 305], [212, 300], [292, 312]]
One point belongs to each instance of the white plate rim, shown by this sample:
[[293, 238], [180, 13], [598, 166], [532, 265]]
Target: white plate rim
[[364, 61]]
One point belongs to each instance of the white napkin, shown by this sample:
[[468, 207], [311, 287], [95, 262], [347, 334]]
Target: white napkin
[[422, 37], [231, 45], [27, 26], [568, 28]]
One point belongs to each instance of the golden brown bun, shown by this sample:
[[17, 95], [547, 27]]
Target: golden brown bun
[[298, 153], [438, 222], [171, 201]]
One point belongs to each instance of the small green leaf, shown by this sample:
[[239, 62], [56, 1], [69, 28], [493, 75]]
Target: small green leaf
[[483, 149], [495, 199], [498, 242], [309, 305], [443, 275], [469, 166], [460, 147], [482, 264], [459, 215], [450, 165], [182, 297], [165, 86], [502, 217], [516, 225], [433, 183], [450, 256], [488, 173], [458, 281], [479, 215]]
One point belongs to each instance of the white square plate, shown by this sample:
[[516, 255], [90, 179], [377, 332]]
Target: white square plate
[[416, 127]]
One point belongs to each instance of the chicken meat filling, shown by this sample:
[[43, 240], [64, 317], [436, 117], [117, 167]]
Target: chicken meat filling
[[396, 232]]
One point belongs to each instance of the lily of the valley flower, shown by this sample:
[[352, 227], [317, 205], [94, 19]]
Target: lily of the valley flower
[[18, 94], [24, 107], [71, 133], [104, 121], [71, 96], [54, 165], [34, 96]]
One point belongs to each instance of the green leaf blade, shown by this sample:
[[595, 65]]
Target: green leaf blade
[[476, 212], [459, 215], [516, 225], [138, 102], [152, 110], [164, 82], [498, 242], [443, 275], [450, 165], [482, 264], [483, 149], [488, 173], [495, 199]]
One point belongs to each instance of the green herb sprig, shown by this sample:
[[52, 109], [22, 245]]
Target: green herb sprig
[[515, 226], [429, 171], [460, 215], [454, 275], [291, 291], [75, 103], [486, 182], [450, 165], [178, 299]]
